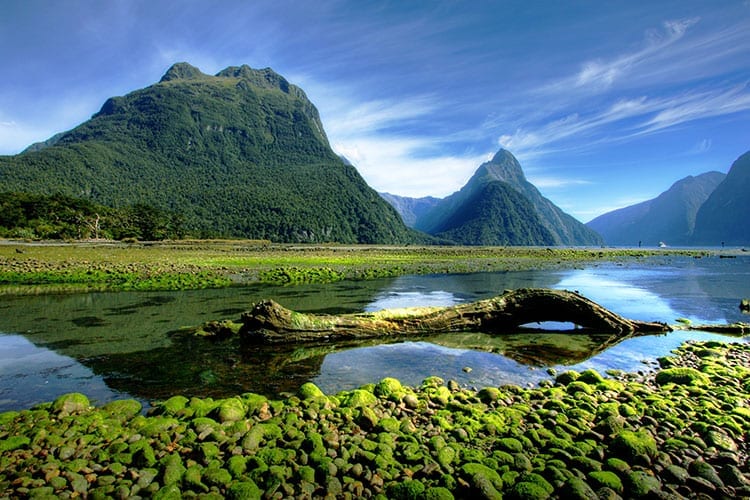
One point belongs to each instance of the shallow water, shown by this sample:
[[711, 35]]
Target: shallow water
[[114, 345]]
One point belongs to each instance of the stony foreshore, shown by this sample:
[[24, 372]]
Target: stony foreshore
[[678, 432]]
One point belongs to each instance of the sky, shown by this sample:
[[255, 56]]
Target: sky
[[605, 104]]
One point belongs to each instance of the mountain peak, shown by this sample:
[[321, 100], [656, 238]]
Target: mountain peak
[[264, 78], [181, 71], [502, 167]]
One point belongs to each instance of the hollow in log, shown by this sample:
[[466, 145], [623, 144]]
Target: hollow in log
[[269, 322]]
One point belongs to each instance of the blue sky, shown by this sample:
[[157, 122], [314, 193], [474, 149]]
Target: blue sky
[[605, 104]]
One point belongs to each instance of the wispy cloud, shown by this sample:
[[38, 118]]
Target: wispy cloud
[[600, 75], [701, 147], [588, 103], [385, 140], [550, 182]]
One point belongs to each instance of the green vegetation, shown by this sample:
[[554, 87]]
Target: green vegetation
[[498, 206], [40, 217], [239, 154], [386, 440], [199, 264], [495, 214]]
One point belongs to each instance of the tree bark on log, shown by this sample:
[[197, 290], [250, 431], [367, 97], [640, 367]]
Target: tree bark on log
[[269, 322]]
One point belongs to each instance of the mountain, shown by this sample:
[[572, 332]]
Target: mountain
[[670, 217], [724, 218], [498, 206], [494, 214], [242, 153], [410, 209]]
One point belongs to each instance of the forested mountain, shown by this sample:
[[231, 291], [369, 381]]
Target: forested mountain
[[670, 217], [494, 214], [498, 206], [241, 153], [724, 218]]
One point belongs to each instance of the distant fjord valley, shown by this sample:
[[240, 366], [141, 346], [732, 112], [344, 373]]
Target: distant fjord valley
[[243, 154], [710, 209]]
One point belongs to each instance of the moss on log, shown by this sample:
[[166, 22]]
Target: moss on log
[[269, 322]]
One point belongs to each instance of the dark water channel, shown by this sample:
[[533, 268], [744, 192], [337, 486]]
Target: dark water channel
[[114, 345]]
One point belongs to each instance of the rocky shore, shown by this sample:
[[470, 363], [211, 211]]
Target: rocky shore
[[680, 431]]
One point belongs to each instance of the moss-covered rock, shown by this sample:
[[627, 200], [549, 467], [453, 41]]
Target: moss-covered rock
[[682, 376], [515, 442], [69, 404], [230, 410], [389, 388], [605, 479], [359, 398], [641, 484], [406, 490], [638, 447], [576, 488]]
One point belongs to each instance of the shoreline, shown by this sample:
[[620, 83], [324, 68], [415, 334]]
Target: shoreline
[[681, 430], [183, 265]]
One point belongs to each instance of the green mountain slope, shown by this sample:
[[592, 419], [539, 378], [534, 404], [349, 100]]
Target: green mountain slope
[[670, 217], [559, 227], [494, 214], [242, 153], [724, 218]]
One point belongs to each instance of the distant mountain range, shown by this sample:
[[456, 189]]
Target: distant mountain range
[[708, 210], [411, 209], [242, 153], [497, 206]]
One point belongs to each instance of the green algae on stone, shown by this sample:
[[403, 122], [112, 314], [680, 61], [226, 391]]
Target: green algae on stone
[[359, 398], [634, 446], [682, 376], [640, 484], [515, 442], [72, 403], [389, 388]]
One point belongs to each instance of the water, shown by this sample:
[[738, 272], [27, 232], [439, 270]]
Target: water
[[115, 345]]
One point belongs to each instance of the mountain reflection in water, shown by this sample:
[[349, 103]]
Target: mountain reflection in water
[[113, 345]]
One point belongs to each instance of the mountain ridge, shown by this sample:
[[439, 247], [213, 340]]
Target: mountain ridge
[[670, 217], [723, 217], [515, 214], [241, 153]]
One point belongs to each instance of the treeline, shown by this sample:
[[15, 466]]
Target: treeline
[[36, 216]]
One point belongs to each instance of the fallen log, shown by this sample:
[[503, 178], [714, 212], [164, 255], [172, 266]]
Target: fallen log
[[269, 322]]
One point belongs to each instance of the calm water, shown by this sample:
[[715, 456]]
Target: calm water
[[114, 345]]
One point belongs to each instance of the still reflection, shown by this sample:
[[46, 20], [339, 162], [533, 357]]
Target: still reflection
[[113, 344]]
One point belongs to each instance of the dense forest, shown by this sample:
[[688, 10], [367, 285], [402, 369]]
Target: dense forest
[[34, 216], [239, 154]]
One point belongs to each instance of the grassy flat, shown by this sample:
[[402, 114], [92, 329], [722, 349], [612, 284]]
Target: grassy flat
[[175, 265]]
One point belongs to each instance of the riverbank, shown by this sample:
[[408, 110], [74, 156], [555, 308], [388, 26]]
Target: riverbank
[[179, 265], [681, 430]]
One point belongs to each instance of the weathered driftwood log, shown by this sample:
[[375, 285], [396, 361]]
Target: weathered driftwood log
[[268, 322]]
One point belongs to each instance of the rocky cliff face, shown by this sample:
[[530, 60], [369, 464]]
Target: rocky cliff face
[[724, 218]]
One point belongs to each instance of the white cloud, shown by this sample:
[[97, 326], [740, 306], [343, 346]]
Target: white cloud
[[379, 138], [698, 105], [15, 137], [550, 182], [390, 164], [599, 75]]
